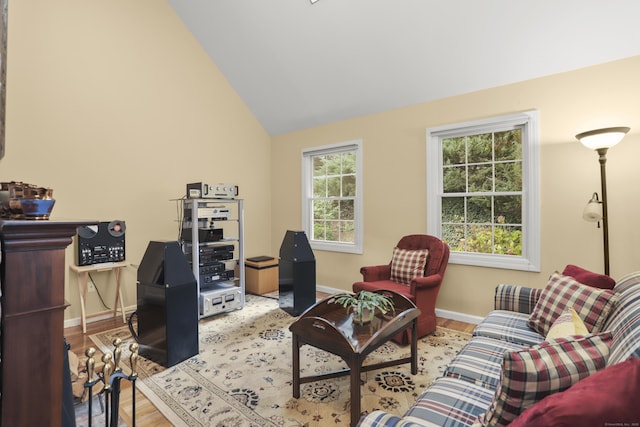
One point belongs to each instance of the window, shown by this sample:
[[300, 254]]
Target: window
[[332, 196], [482, 191]]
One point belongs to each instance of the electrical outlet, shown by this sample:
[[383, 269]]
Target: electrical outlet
[[91, 287]]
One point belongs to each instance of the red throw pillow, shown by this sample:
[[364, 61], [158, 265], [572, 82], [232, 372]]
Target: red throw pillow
[[607, 397], [589, 278]]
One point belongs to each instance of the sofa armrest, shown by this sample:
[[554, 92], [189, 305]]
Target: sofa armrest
[[516, 298], [384, 419], [376, 272]]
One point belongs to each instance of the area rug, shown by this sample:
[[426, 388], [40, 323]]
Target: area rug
[[242, 376]]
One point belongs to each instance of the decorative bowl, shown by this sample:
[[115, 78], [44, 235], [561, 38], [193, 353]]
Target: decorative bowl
[[37, 208]]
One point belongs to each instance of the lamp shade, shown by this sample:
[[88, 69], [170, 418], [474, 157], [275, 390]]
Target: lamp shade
[[593, 211], [602, 138]]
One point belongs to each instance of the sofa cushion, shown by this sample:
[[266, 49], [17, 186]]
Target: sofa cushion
[[407, 264], [450, 402], [480, 361], [508, 326], [624, 320], [530, 375], [568, 323], [589, 278], [592, 304], [608, 397]]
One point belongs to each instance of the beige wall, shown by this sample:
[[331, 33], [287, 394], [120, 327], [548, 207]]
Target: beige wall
[[115, 106], [395, 178]]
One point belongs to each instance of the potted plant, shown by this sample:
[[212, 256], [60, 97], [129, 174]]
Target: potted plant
[[364, 304]]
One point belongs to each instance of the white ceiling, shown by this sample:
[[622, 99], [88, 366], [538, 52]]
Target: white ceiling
[[299, 65]]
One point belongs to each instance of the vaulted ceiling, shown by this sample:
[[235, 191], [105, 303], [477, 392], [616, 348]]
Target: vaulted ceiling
[[298, 65]]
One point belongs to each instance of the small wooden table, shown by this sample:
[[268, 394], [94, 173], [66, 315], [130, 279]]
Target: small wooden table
[[329, 327], [83, 285]]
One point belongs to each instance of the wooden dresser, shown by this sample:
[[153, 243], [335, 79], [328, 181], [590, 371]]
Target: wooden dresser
[[32, 277]]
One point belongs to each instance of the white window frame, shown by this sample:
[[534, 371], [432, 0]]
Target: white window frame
[[307, 192], [530, 259]]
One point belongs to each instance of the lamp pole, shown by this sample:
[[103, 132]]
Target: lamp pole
[[602, 152]]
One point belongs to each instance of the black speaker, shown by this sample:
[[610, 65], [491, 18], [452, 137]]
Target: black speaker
[[104, 242], [297, 273], [167, 305]]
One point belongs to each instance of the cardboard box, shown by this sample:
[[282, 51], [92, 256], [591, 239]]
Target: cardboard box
[[261, 275]]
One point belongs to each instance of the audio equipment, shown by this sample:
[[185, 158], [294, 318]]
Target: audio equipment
[[104, 242], [167, 305], [204, 235], [219, 298], [200, 190]]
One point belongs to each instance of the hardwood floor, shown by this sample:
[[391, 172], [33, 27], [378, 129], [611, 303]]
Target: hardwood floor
[[146, 412]]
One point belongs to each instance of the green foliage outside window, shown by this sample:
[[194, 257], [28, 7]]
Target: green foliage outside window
[[482, 186], [334, 191]]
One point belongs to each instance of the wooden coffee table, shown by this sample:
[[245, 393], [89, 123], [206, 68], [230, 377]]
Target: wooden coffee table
[[329, 327]]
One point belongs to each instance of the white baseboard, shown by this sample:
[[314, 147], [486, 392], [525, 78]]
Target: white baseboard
[[76, 320], [445, 314], [461, 317]]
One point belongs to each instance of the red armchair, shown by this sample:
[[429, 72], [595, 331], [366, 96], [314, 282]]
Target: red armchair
[[423, 291]]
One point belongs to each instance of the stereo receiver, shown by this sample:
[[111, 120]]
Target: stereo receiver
[[200, 190]]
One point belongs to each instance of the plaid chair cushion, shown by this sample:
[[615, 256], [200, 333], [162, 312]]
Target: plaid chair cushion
[[592, 304], [408, 264], [553, 366]]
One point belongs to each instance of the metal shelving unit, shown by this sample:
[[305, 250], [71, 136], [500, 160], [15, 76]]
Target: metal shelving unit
[[212, 237]]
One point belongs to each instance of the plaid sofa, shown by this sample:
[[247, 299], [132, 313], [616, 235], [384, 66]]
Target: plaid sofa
[[467, 387]]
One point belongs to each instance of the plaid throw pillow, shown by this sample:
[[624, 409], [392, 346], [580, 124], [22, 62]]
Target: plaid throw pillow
[[532, 374], [592, 304], [408, 264]]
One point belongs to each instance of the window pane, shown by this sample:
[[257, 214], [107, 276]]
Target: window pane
[[508, 210], [333, 186], [509, 176], [508, 145], [333, 231], [453, 151], [346, 231], [480, 148], [333, 209], [319, 230], [453, 235], [481, 178], [348, 185], [333, 164], [479, 239], [346, 210], [319, 167], [319, 209], [452, 209], [319, 187], [454, 179], [479, 210], [349, 163], [508, 240]]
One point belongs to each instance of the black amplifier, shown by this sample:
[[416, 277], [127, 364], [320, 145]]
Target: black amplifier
[[104, 242], [214, 268], [204, 234]]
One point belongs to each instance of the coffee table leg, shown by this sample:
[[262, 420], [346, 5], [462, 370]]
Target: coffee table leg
[[414, 347], [355, 392], [296, 366]]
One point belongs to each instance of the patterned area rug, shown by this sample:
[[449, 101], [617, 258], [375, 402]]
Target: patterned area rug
[[243, 375]]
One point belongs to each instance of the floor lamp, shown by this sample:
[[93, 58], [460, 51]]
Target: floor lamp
[[601, 140]]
